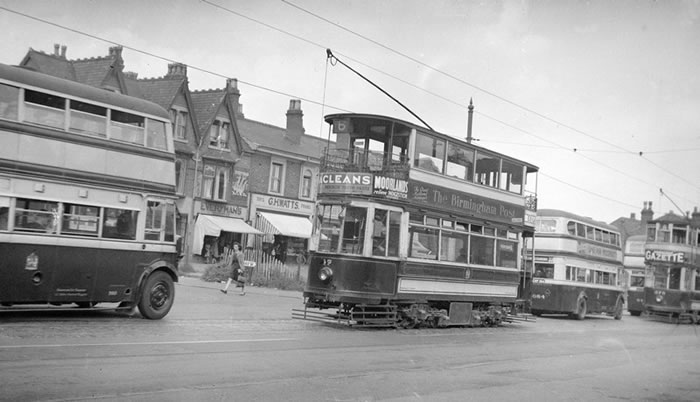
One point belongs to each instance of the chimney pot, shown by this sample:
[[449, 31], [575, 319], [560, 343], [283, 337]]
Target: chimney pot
[[295, 121], [55, 49], [633, 216], [63, 51]]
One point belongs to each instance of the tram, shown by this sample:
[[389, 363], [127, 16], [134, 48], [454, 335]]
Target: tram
[[416, 228], [672, 257]]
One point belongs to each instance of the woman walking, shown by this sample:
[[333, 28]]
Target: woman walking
[[237, 272]]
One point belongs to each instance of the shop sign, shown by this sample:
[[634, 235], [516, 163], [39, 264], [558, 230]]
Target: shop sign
[[221, 209], [664, 256], [282, 204]]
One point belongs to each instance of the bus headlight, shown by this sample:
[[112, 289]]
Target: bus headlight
[[325, 274]]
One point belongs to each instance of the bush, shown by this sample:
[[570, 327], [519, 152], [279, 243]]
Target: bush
[[216, 273]]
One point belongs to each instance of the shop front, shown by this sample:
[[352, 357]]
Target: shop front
[[286, 227], [217, 227]]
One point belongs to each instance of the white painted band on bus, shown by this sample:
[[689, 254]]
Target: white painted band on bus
[[85, 242]]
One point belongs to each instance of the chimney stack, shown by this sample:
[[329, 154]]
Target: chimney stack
[[647, 214], [633, 216], [63, 51], [177, 70], [55, 49], [695, 218], [295, 121], [234, 97]]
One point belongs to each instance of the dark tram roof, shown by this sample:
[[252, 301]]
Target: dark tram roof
[[329, 119], [557, 213], [71, 88]]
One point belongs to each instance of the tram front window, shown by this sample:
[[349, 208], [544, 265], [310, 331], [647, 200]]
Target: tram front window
[[342, 229]]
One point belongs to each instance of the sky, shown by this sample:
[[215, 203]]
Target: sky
[[602, 96]]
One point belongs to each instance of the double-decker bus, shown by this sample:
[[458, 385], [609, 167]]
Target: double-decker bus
[[672, 257], [87, 197], [578, 266], [414, 227], [633, 261]]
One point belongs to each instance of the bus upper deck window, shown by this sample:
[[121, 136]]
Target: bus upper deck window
[[9, 98]]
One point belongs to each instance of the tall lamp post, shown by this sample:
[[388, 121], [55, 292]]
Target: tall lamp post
[[190, 216]]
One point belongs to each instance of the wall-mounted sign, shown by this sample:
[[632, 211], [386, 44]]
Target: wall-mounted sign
[[221, 209], [270, 202], [239, 185], [664, 256]]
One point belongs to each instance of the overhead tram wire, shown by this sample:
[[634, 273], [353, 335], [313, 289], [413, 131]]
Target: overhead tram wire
[[543, 116], [330, 57], [243, 82], [168, 59]]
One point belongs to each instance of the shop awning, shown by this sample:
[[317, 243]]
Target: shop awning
[[286, 225], [210, 225]]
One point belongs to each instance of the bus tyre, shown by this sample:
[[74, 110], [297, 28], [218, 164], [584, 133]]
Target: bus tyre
[[157, 296], [582, 308], [619, 307]]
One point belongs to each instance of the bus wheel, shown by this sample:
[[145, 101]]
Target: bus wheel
[[635, 313], [582, 308], [619, 307], [157, 296], [536, 313]]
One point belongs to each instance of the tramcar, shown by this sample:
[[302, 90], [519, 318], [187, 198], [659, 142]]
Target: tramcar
[[672, 257], [633, 261], [416, 228], [87, 197], [578, 266]]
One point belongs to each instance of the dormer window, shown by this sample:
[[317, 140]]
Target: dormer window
[[219, 134]]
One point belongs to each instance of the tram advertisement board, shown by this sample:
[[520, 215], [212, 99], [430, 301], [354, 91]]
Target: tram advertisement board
[[345, 183], [464, 203]]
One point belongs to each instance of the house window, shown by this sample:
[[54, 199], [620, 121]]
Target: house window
[[219, 134], [179, 119], [215, 179], [306, 180], [276, 177], [180, 176]]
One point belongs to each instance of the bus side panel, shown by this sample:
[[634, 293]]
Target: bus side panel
[[69, 274], [554, 298], [26, 272], [635, 300]]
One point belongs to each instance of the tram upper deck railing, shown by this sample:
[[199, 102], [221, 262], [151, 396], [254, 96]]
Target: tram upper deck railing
[[361, 161]]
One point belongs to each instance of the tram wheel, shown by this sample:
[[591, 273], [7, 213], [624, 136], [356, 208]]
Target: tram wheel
[[582, 309], [157, 296], [86, 304], [619, 307]]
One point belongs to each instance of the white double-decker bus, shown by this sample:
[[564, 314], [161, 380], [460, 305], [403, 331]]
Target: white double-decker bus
[[87, 197], [577, 266]]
